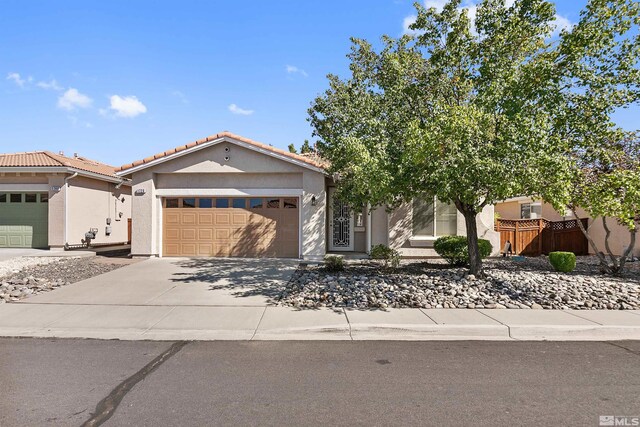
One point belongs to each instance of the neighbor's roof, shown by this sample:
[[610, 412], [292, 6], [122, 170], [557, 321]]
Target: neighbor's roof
[[48, 159], [305, 159]]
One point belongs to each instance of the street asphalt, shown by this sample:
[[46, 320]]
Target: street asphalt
[[141, 383]]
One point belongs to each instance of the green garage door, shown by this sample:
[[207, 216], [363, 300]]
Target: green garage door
[[24, 220]]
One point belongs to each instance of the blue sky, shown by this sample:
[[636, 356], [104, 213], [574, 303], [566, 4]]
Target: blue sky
[[121, 80]]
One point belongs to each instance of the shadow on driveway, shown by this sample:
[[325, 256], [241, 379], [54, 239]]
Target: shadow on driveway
[[243, 277]]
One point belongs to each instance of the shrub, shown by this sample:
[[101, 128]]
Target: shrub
[[334, 263], [455, 251], [564, 262], [391, 257]]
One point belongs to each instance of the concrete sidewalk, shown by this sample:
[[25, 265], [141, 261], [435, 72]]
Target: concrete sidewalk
[[180, 322]]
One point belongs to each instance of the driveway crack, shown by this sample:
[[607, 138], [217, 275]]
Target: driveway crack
[[107, 406]]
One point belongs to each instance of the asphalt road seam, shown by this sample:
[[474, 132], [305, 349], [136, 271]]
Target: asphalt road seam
[[637, 353], [107, 406]]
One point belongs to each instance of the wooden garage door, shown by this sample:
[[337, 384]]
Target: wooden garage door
[[231, 226]]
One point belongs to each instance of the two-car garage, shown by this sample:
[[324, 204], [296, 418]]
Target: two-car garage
[[231, 226]]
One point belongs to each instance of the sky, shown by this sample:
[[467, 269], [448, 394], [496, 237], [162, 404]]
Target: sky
[[121, 80]]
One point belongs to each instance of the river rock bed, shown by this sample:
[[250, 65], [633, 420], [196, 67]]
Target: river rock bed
[[51, 273], [528, 284]]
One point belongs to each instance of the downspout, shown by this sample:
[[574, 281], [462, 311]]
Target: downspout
[[66, 207]]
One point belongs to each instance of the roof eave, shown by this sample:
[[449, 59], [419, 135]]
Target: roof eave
[[159, 160]]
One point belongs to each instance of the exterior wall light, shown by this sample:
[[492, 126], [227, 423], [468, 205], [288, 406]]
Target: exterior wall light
[[313, 201]]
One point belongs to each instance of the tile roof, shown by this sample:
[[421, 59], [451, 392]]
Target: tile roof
[[48, 159], [298, 157]]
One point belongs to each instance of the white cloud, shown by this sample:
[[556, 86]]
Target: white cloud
[[237, 110], [73, 99], [17, 79], [560, 22], [292, 69], [52, 84], [127, 106]]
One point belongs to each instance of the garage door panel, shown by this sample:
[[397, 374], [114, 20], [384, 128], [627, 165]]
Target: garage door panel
[[222, 234], [188, 234], [237, 232], [171, 217], [188, 218], [205, 218], [188, 249], [205, 234], [222, 218], [171, 249], [205, 249], [172, 234]]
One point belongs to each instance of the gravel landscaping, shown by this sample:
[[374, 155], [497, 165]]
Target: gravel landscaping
[[528, 284], [26, 276]]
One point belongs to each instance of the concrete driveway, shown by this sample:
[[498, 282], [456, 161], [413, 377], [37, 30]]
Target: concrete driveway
[[180, 282]]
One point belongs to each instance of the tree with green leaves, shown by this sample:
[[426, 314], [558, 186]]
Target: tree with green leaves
[[452, 113], [292, 149], [468, 111], [306, 147], [597, 73]]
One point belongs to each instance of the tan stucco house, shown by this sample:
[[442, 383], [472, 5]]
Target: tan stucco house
[[49, 200], [530, 208], [226, 195]]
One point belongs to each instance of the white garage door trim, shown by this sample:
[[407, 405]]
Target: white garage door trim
[[258, 192], [24, 188]]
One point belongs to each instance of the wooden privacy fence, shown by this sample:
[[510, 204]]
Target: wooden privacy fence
[[533, 237]]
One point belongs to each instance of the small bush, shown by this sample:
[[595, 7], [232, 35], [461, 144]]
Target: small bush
[[391, 257], [564, 262], [455, 251], [334, 263]]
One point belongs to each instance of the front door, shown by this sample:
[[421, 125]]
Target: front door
[[340, 224]]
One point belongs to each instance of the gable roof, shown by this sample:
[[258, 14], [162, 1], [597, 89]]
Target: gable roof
[[46, 159], [301, 160]]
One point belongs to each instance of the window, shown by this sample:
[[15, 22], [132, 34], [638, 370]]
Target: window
[[255, 203], [15, 198], [290, 203], [273, 203], [44, 197], [222, 203], [189, 203], [3, 198], [30, 198], [171, 203], [432, 218], [205, 203], [239, 203], [530, 210]]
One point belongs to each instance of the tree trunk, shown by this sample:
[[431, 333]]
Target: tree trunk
[[612, 257], [632, 243], [475, 260], [603, 261]]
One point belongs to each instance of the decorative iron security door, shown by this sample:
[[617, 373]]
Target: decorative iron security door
[[341, 226]]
